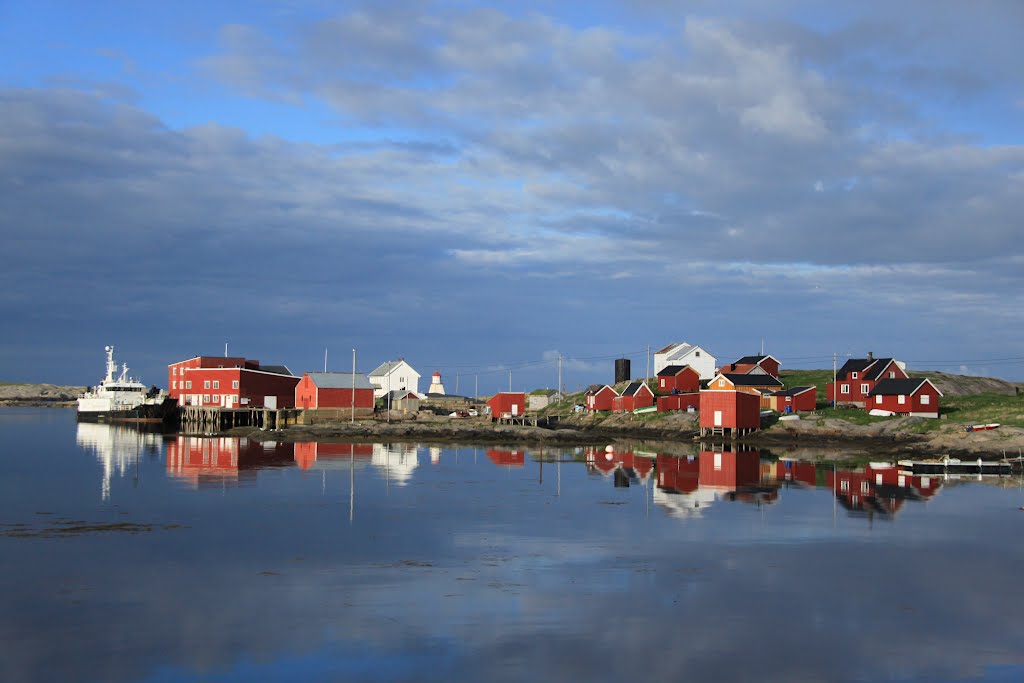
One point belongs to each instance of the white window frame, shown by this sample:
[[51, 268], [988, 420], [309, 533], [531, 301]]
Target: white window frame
[[865, 388], [925, 399], [901, 399], [216, 384], [188, 384], [844, 389], [892, 374], [853, 375], [878, 399], [234, 384], [174, 384], [206, 384], [206, 398]]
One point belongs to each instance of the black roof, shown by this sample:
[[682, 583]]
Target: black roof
[[632, 388], [672, 370], [276, 369], [890, 387], [877, 368], [744, 380], [594, 388], [750, 360], [793, 391], [853, 365]]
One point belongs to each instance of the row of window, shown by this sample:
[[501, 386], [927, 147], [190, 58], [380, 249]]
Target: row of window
[[901, 399], [187, 384]]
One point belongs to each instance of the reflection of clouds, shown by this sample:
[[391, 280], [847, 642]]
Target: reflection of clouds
[[685, 505], [116, 447], [396, 461]]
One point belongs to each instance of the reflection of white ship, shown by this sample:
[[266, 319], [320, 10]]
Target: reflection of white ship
[[682, 505], [397, 461], [116, 447], [120, 397]]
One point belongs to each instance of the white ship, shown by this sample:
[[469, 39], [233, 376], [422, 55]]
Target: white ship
[[120, 397]]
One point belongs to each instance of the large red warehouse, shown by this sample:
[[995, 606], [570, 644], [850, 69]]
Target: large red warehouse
[[318, 390], [730, 413], [231, 383]]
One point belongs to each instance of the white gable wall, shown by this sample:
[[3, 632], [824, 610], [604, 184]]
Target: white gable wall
[[686, 354]]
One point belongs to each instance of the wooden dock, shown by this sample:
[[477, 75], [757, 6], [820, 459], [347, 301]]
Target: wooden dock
[[956, 466], [214, 419]]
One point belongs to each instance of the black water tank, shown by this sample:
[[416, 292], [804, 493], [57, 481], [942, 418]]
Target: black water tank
[[622, 370]]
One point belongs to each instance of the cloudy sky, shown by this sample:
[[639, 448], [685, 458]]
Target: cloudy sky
[[482, 187]]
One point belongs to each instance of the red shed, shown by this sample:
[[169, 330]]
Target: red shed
[[600, 398], [859, 376], [507, 404], [679, 402], [748, 364], [729, 412], [915, 397], [318, 390], [678, 379], [636, 395], [794, 400]]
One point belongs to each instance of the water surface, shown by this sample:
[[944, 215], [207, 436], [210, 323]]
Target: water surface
[[134, 557]]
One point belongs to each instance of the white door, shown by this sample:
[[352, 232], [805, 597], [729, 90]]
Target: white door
[[718, 418], [515, 409]]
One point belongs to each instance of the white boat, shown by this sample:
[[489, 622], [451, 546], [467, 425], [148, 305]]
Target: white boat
[[119, 397]]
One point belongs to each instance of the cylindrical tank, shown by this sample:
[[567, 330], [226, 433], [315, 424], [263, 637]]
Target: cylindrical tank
[[621, 370]]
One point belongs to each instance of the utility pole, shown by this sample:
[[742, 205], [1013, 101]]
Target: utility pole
[[325, 359], [456, 384], [476, 387], [648, 363], [225, 349], [353, 386], [559, 375], [510, 381], [834, 387]]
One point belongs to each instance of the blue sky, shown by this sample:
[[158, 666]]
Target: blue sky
[[478, 187]]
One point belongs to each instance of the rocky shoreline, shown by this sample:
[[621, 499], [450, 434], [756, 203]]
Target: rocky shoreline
[[39, 395]]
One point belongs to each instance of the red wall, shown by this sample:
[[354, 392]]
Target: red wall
[[342, 398], [602, 400], [678, 474], [913, 403], [686, 380], [807, 400], [678, 402], [739, 410], [253, 385], [507, 458], [502, 403]]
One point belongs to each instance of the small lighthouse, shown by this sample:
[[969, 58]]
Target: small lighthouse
[[435, 384]]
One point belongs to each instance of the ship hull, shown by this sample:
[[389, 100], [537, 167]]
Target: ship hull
[[165, 412]]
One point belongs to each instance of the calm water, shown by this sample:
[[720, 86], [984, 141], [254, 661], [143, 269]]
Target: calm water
[[128, 557]]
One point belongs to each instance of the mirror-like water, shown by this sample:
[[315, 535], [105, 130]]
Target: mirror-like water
[[136, 557]]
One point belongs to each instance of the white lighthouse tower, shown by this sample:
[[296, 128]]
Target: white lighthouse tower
[[435, 384]]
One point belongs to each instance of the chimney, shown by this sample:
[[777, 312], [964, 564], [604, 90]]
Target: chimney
[[871, 356]]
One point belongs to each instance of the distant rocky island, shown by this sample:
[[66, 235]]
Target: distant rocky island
[[32, 395]]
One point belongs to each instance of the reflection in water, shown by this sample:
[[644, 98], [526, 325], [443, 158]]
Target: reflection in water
[[117, 447], [478, 570]]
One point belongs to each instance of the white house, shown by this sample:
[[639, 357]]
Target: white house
[[394, 375], [681, 353]]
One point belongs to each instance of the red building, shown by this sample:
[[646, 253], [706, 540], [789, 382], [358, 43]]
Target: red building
[[678, 379], [915, 397], [231, 383], [794, 400], [679, 402], [507, 404], [797, 471], [636, 395], [600, 397], [730, 471], [729, 412], [317, 390], [859, 376], [753, 364]]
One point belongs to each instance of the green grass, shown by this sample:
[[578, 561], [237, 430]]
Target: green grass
[[808, 378]]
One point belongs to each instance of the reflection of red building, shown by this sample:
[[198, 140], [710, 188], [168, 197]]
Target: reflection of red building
[[796, 471], [307, 453], [622, 463], [203, 461], [730, 471], [507, 458], [880, 489], [678, 475]]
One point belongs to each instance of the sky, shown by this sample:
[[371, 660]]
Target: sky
[[484, 188]]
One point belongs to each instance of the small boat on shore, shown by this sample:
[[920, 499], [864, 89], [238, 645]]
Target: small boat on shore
[[981, 428], [120, 398]]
